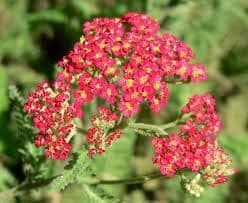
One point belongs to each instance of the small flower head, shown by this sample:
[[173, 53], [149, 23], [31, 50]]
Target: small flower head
[[52, 116], [195, 146], [102, 133]]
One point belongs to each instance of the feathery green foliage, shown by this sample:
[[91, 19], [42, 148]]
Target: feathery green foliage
[[93, 194], [35, 166], [77, 167]]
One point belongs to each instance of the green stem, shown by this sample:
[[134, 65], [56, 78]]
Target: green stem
[[37, 184], [148, 127], [90, 181], [128, 181], [81, 130], [156, 130], [71, 135], [180, 120], [27, 186], [120, 119], [132, 180], [171, 124]]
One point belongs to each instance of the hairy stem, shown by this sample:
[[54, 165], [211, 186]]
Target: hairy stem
[[171, 124], [148, 127], [133, 180], [159, 130], [26, 186]]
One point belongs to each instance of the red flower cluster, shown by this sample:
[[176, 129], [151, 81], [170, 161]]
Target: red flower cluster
[[126, 63], [204, 121], [195, 146], [102, 133], [52, 115]]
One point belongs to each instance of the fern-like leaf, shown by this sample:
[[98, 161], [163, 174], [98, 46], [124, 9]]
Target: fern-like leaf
[[79, 166], [24, 131], [94, 194]]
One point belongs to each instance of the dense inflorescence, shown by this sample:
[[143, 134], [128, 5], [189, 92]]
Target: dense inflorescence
[[122, 61], [127, 59], [53, 116], [195, 146]]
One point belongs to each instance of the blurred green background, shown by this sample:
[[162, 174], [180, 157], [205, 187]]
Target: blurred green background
[[35, 34]]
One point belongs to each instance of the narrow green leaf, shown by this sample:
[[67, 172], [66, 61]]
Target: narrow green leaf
[[47, 15], [3, 90]]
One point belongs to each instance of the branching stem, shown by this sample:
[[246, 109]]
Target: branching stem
[[128, 181], [147, 127], [26, 186], [158, 130]]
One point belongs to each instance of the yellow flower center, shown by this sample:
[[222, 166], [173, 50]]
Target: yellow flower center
[[148, 70], [138, 59], [126, 45], [182, 53], [98, 55], [109, 92], [182, 70], [117, 39], [134, 95], [128, 106], [115, 48], [110, 70], [144, 93], [87, 80], [157, 85], [143, 79], [173, 143], [142, 27], [83, 94], [168, 167], [197, 72], [156, 101], [101, 45], [129, 83], [129, 70], [157, 49]]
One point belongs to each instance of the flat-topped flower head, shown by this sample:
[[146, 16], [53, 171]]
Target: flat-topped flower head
[[121, 62], [125, 61], [52, 116], [195, 147]]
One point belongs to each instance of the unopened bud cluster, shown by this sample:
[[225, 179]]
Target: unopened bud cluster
[[102, 132], [192, 186]]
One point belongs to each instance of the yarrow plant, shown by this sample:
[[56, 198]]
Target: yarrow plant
[[124, 64]]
